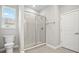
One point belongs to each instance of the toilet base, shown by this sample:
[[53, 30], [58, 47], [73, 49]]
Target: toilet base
[[9, 47]]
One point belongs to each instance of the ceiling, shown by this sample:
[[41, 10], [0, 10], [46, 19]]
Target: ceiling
[[37, 8]]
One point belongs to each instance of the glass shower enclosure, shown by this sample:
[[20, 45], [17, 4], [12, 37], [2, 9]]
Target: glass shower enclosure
[[34, 29]]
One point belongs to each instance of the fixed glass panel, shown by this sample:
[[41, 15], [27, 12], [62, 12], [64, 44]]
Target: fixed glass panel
[[29, 30]]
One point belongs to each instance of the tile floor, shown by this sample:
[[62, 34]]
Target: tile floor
[[46, 49]]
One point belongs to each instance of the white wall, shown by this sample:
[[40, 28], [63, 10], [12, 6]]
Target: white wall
[[52, 30], [67, 8], [53, 13]]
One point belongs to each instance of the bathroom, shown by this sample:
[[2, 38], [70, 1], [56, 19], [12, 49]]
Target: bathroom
[[39, 28]]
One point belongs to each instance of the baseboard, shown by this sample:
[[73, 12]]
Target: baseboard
[[34, 46], [54, 47]]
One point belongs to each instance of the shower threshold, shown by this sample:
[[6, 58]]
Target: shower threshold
[[34, 46]]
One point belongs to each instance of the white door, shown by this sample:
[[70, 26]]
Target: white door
[[70, 31]]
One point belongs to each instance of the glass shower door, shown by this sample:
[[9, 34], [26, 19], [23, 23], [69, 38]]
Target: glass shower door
[[40, 29], [29, 25], [34, 30]]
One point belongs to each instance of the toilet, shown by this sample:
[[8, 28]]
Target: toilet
[[9, 43], [9, 47]]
